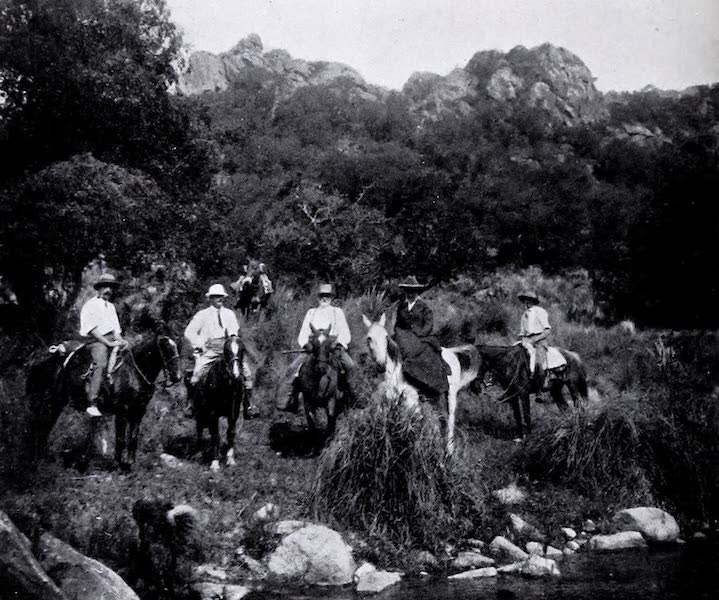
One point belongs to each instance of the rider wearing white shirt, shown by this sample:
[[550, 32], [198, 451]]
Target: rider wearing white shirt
[[207, 332], [324, 316], [99, 323], [534, 331]]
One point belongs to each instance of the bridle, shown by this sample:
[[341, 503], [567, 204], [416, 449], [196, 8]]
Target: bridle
[[165, 362]]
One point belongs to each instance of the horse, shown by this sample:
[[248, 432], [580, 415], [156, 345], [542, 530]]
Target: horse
[[252, 298], [509, 365], [385, 352], [220, 394], [59, 379], [319, 381]]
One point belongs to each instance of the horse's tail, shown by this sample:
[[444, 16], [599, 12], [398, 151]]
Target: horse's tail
[[472, 370], [580, 373]]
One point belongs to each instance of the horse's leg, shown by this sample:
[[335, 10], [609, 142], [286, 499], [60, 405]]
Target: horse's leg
[[558, 396], [199, 428], [331, 416], [451, 416], [527, 408], [120, 433], [214, 427], [231, 429], [132, 438], [516, 402]]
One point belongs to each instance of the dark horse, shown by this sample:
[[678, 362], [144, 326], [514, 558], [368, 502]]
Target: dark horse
[[220, 394], [509, 366], [252, 297], [57, 380], [319, 381]]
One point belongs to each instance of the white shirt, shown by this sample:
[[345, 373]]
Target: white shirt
[[205, 325], [534, 320], [98, 313], [323, 317]]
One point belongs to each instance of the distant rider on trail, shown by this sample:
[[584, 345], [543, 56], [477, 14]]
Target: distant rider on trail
[[207, 332], [100, 325]]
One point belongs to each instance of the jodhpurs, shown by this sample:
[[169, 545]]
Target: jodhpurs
[[104, 359], [204, 361]]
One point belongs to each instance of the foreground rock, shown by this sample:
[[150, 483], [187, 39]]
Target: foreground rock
[[502, 547], [371, 581], [537, 566], [471, 560], [654, 524], [476, 573], [617, 541], [78, 576], [21, 575], [525, 529], [313, 555]]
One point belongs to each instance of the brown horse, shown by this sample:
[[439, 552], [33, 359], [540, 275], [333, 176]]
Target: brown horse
[[509, 366], [58, 379], [220, 394], [319, 381]]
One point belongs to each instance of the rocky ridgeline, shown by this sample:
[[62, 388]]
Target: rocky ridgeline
[[207, 72]]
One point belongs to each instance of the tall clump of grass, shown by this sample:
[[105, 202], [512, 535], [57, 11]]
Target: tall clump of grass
[[384, 474], [598, 452]]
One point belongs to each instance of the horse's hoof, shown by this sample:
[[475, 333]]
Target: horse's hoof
[[215, 466]]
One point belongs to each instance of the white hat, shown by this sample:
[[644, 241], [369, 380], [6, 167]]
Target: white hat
[[216, 289]]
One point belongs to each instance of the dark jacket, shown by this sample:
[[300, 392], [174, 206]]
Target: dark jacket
[[420, 350]]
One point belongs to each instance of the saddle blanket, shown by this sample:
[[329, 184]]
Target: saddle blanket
[[555, 359]]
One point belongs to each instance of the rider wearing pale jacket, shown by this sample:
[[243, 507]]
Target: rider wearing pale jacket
[[207, 332], [534, 331], [324, 316]]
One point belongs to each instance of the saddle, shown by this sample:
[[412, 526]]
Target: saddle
[[72, 350]]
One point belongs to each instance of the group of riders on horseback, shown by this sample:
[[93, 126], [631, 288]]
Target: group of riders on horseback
[[211, 326]]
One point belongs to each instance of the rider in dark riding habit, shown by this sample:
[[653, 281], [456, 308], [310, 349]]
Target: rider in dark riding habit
[[421, 351], [207, 332], [100, 325]]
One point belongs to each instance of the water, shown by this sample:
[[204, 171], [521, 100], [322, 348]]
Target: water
[[692, 574]]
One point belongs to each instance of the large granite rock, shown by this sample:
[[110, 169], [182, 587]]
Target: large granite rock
[[371, 581], [471, 560], [524, 529], [654, 524], [503, 548], [617, 541], [80, 577], [21, 576], [313, 555], [537, 566]]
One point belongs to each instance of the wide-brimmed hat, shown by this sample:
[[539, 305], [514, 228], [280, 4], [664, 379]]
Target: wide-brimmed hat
[[326, 289], [411, 283], [216, 289], [106, 280], [529, 295]]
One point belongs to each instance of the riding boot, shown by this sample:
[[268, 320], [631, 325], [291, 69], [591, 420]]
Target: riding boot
[[249, 410]]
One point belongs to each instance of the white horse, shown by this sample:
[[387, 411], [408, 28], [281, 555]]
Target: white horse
[[385, 353]]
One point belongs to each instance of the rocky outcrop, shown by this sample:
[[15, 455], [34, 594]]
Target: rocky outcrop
[[206, 72], [21, 575], [617, 541], [654, 524], [313, 555], [640, 135], [78, 576]]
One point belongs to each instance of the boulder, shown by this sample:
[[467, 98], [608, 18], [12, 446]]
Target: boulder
[[236, 592], [265, 514], [78, 576], [537, 566], [209, 591], [504, 84], [553, 552], [502, 547], [203, 572], [568, 533], [372, 581], [534, 548], [471, 560], [511, 494], [20, 573], [514, 567], [363, 570], [314, 555], [573, 545], [476, 573], [422, 561], [589, 526], [284, 527], [654, 524], [617, 541], [524, 529]]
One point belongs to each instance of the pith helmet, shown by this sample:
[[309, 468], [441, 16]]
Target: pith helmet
[[529, 295], [411, 283], [216, 289], [326, 289], [106, 279]]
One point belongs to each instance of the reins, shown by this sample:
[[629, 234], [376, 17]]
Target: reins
[[162, 358]]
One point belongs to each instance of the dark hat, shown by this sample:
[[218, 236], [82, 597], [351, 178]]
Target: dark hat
[[326, 289], [529, 295], [106, 279], [411, 283]]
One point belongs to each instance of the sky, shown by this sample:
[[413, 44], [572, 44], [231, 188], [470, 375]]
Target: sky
[[626, 44]]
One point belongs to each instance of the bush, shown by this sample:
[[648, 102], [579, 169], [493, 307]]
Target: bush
[[384, 475]]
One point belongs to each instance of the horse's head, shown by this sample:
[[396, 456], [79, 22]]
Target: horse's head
[[324, 365], [377, 339], [322, 345], [232, 352], [169, 354]]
